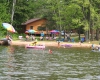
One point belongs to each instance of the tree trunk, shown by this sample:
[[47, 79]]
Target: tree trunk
[[79, 33], [86, 35], [64, 34], [97, 34], [13, 10], [92, 34]]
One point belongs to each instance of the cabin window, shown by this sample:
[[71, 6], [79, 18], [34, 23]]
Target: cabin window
[[41, 28], [31, 27]]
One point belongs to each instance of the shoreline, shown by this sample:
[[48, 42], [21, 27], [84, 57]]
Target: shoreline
[[51, 43]]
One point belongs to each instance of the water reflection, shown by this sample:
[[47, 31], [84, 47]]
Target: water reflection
[[18, 63], [10, 65]]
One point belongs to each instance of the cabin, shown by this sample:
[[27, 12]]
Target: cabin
[[37, 24]]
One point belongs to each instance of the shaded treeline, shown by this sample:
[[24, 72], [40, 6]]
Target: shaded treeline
[[80, 15]]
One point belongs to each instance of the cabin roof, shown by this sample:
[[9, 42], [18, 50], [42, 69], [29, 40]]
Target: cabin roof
[[30, 21]]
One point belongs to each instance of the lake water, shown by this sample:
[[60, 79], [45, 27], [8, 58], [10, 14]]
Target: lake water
[[19, 63]]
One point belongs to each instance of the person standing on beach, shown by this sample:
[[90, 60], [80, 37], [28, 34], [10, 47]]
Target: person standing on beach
[[33, 38], [9, 40], [8, 37], [92, 46], [58, 43], [42, 35], [27, 37]]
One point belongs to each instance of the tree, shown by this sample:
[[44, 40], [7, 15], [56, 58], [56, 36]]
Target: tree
[[4, 14]]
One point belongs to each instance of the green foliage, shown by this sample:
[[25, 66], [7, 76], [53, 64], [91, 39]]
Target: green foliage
[[61, 14]]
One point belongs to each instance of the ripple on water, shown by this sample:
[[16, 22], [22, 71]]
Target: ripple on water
[[64, 64]]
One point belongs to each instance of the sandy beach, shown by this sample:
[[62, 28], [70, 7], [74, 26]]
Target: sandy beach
[[51, 43]]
